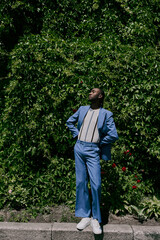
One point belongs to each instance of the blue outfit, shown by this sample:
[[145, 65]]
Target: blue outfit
[[87, 160]]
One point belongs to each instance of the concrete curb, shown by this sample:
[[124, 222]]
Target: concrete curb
[[68, 231]]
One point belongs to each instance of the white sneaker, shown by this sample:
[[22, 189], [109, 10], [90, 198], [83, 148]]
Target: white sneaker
[[96, 226], [83, 223]]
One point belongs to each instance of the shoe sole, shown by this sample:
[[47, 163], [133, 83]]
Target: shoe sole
[[79, 229], [97, 233]]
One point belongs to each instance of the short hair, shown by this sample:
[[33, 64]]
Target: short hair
[[103, 95]]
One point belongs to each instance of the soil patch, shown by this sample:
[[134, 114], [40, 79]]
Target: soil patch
[[63, 213]]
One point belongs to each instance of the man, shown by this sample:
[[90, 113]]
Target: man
[[95, 132]]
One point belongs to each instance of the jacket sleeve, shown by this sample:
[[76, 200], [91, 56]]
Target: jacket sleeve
[[111, 132], [71, 123]]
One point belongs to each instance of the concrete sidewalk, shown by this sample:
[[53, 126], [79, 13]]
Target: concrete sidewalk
[[68, 231]]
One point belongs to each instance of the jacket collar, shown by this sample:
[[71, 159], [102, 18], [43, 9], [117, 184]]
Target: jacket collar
[[101, 117]]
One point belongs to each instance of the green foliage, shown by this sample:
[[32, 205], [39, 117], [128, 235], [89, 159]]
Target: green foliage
[[52, 55], [148, 208], [18, 18], [23, 216], [3, 72], [22, 187], [123, 183]]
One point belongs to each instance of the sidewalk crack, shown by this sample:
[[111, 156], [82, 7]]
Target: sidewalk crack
[[132, 232], [51, 229]]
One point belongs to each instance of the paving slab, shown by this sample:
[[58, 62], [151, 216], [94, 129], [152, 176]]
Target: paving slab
[[146, 232], [25, 231], [117, 232], [68, 231]]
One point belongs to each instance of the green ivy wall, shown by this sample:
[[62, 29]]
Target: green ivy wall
[[52, 53]]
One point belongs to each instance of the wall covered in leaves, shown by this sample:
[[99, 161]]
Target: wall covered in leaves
[[52, 53]]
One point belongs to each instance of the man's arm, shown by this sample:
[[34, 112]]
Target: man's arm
[[111, 135], [71, 122]]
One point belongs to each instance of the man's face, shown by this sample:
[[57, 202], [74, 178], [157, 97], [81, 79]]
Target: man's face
[[94, 94]]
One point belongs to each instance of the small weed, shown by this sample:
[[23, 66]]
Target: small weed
[[1, 218]]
